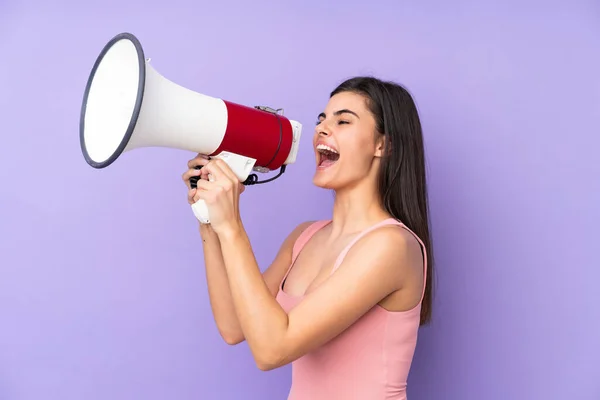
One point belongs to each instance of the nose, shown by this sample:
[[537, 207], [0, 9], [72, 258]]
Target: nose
[[322, 129]]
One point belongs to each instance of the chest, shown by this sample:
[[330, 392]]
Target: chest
[[314, 265]]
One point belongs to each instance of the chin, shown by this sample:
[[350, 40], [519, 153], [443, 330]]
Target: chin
[[325, 180], [324, 185]]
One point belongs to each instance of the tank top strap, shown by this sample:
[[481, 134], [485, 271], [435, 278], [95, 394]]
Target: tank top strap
[[305, 236], [389, 221]]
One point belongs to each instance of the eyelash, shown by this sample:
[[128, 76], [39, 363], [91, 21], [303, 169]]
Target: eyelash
[[339, 122]]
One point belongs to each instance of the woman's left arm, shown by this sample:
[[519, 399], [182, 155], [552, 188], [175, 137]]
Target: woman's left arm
[[374, 267]]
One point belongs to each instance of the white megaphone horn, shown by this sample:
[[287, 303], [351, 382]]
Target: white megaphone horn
[[128, 105]]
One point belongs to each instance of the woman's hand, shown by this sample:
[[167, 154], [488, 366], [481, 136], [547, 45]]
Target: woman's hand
[[220, 192], [194, 170]]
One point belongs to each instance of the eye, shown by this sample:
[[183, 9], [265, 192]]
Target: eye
[[343, 122]]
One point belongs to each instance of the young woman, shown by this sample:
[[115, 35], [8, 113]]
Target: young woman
[[344, 298]]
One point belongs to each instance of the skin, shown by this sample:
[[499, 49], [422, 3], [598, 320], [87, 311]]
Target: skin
[[384, 268]]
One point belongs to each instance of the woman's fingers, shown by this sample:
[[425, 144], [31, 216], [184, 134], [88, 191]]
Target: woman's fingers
[[194, 169], [200, 159], [190, 173], [201, 168], [202, 186], [226, 170], [191, 194], [221, 172]]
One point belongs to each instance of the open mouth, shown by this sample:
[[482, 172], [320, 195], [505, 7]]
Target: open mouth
[[327, 156]]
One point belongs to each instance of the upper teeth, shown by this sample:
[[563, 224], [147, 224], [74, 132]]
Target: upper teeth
[[324, 147]]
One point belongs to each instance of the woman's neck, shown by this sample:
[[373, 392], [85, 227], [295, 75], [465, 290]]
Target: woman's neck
[[356, 208]]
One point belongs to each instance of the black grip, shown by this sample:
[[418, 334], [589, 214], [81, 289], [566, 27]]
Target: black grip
[[194, 179]]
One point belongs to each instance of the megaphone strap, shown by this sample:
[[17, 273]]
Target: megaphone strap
[[275, 112], [253, 178]]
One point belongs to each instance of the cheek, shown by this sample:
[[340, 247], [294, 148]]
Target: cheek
[[362, 150], [358, 161]]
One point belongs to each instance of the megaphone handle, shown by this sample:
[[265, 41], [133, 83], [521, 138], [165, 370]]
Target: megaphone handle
[[201, 211], [199, 207], [241, 167]]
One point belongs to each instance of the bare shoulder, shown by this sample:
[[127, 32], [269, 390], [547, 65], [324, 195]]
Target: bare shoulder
[[392, 251], [293, 236], [299, 229]]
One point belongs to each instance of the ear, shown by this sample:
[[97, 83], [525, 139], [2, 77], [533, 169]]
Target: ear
[[381, 146]]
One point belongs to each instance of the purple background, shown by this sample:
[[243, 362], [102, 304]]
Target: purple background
[[102, 301]]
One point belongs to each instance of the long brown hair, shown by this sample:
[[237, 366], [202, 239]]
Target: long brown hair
[[402, 177]]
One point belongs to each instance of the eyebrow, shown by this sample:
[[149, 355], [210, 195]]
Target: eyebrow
[[340, 112]]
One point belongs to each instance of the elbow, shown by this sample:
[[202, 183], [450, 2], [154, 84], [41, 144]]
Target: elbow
[[268, 361], [265, 366], [232, 341], [232, 338]]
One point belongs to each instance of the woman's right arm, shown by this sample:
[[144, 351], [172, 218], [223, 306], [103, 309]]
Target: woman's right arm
[[219, 292]]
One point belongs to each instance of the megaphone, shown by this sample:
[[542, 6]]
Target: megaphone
[[128, 105]]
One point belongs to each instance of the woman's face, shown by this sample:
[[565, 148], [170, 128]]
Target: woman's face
[[347, 146]]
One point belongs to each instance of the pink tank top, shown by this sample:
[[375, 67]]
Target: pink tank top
[[368, 361]]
